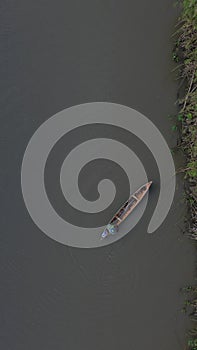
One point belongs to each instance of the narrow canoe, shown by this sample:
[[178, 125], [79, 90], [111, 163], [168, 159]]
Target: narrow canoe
[[126, 210]]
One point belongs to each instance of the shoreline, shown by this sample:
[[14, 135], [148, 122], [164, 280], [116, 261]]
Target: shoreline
[[185, 55]]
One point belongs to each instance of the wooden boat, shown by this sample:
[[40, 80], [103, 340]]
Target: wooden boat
[[125, 210]]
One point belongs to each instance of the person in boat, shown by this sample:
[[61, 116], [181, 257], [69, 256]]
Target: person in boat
[[110, 230]]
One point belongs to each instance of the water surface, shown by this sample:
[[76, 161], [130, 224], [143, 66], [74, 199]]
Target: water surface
[[126, 295]]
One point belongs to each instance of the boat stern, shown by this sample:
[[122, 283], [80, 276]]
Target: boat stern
[[110, 230], [104, 234]]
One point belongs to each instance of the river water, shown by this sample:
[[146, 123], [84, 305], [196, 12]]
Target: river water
[[126, 295]]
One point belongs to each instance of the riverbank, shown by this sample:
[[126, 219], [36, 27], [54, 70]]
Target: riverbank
[[185, 54]]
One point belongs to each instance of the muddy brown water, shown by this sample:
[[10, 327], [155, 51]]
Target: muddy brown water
[[125, 295]]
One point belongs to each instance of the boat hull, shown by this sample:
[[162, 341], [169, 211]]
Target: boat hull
[[126, 209]]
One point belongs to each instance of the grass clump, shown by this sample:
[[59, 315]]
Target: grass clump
[[185, 55]]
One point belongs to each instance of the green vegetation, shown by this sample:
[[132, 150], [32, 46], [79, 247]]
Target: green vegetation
[[185, 55]]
